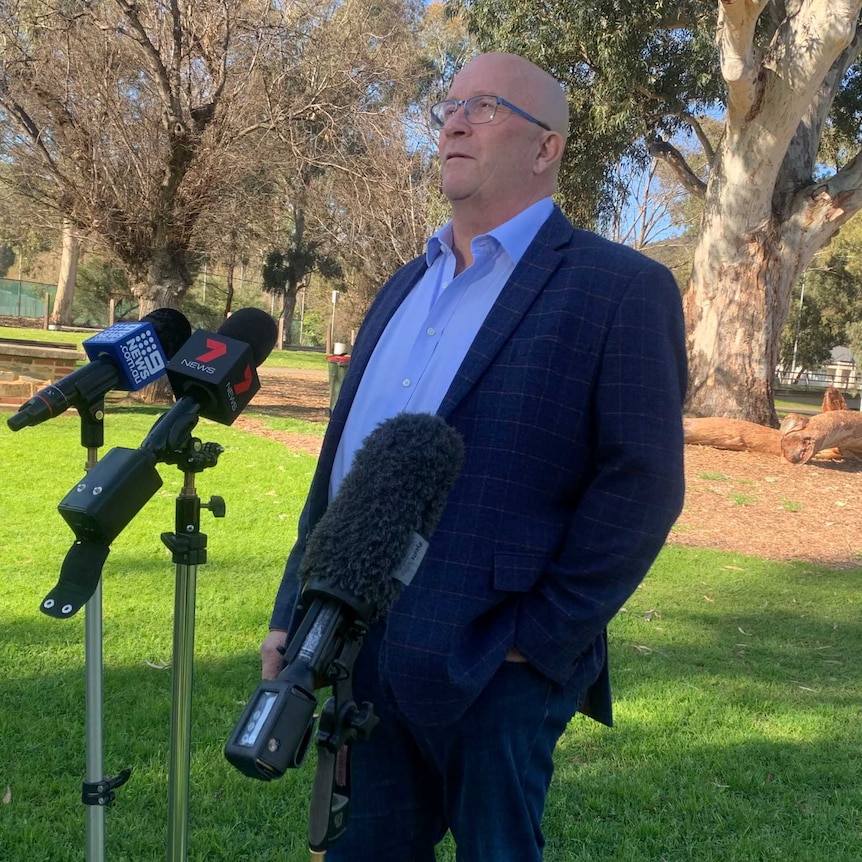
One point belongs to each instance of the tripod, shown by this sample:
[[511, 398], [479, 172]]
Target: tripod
[[188, 546], [98, 790]]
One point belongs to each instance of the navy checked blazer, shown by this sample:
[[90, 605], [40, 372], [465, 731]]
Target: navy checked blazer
[[569, 401]]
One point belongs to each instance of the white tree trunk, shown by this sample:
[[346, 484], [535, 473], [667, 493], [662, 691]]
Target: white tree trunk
[[760, 228], [61, 314]]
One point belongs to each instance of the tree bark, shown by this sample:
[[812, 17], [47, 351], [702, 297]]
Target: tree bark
[[734, 434], [61, 314]]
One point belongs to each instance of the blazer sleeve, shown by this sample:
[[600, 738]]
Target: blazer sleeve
[[621, 519]]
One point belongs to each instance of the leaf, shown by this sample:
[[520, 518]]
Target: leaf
[[739, 629], [7, 796], [649, 616]]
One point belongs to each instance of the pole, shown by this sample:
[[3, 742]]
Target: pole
[[98, 789], [187, 526], [188, 545], [95, 767]]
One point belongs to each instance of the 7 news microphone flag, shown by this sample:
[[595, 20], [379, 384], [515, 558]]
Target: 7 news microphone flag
[[218, 369], [126, 356]]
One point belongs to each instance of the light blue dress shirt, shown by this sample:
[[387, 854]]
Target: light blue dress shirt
[[426, 340]]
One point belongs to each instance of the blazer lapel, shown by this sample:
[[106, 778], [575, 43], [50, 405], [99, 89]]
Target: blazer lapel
[[529, 278]]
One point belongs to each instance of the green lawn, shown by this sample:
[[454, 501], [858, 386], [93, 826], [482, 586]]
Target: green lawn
[[737, 683]]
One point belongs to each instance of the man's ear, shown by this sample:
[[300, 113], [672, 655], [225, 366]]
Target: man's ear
[[550, 152]]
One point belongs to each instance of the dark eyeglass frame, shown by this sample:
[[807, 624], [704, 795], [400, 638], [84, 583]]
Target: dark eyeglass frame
[[438, 119]]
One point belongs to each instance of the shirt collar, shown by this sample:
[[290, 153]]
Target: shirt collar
[[514, 235]]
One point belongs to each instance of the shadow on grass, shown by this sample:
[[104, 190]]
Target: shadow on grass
[[737, 739]]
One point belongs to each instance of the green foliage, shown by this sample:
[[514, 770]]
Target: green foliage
[[630, 69], [284, 269], [98, 282], [7, 259], [829, 313]]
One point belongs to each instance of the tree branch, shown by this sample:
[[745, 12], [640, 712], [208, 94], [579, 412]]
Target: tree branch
[[139, 34], [737, 20], [673, 158], [695, 125]]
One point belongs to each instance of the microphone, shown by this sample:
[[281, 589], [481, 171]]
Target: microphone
[[100, 506], [213, 376], [217, 370], [367, 546], [125, 356]]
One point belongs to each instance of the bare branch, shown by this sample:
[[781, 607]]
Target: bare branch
[[673, 158]]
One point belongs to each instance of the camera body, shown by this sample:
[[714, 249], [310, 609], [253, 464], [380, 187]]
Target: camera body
[[274, 731]]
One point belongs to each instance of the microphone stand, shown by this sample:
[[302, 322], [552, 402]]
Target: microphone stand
[[341, 723], [188, 546], [98, 790]]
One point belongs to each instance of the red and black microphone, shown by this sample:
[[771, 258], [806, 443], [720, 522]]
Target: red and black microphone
[[218, 369]]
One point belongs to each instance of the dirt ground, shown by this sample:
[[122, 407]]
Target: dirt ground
[[735, 501]]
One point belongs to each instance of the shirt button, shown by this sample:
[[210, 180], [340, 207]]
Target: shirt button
[[405, 382], [431, 330]]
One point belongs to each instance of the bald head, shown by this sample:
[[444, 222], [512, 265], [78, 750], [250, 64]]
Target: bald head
[[523, 83], [496, 164]]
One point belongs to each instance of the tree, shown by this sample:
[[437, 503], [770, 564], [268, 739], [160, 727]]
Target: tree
[[61, 313], [826, 302], [786, 76], [127, 118], [100, 282], [7, 259]]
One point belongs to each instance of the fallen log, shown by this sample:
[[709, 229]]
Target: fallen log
[[833, 400], [734, 434], [835, 429]]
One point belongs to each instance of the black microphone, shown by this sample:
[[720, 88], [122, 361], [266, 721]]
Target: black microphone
[[125, 356], [365, 548], [217, 370], [213, 376]]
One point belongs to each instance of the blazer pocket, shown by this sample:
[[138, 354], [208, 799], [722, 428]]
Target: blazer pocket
[[517, 573]]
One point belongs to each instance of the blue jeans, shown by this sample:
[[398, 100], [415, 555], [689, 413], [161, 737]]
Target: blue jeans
[[484, 777]]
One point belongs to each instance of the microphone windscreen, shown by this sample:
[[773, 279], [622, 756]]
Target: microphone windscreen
[[397, 487], [172, 329], [256, 328]]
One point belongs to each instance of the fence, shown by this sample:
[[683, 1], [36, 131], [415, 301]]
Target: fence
[[842, 376], [24, 298]]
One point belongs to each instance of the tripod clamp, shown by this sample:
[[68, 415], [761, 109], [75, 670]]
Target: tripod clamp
[[102, 792], [341, 723]]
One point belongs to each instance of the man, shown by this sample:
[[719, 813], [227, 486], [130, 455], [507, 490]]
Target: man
[[559, 358]]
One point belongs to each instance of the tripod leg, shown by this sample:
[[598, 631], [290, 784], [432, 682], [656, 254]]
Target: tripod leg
[[95, 769], [181, 713]]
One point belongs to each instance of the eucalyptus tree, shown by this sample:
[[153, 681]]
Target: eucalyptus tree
[[785, 79]]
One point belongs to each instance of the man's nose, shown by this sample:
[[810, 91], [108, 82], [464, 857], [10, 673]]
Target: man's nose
[[456, 121]]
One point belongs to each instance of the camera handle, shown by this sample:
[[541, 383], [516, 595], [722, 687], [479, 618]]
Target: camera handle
[[341, 723]]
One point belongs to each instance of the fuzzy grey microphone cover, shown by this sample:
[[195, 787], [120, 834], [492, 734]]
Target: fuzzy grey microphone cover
[[397, 487]]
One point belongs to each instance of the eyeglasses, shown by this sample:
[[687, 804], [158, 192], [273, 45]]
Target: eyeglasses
[[478, 110]]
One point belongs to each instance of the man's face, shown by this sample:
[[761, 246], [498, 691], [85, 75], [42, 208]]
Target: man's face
[[490, 165]]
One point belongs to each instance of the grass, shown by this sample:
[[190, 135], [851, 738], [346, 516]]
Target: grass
[[737, 685], [743, 499]]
